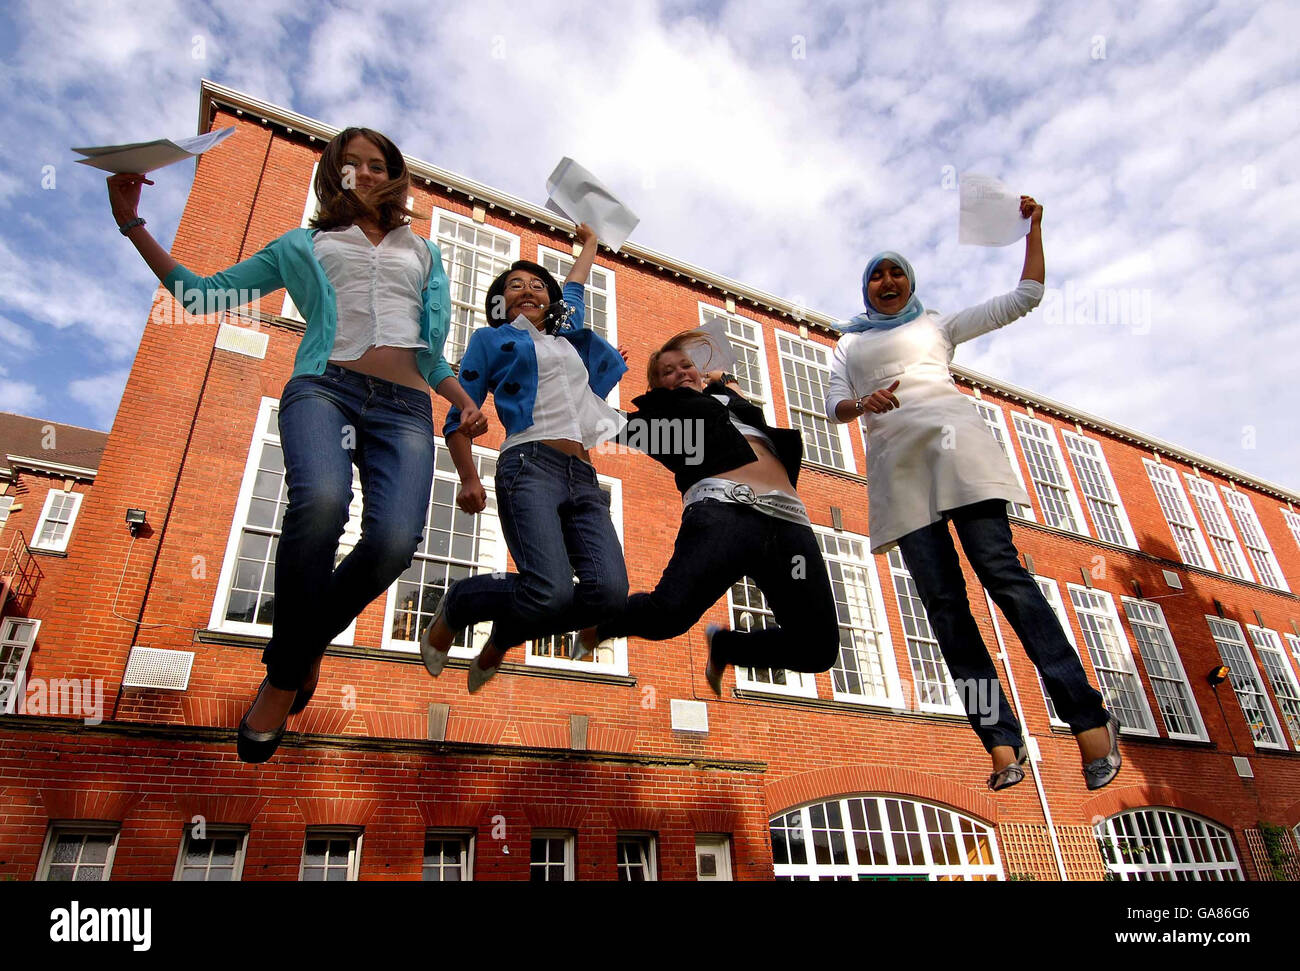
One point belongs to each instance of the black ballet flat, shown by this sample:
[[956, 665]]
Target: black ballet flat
[[256, 747]]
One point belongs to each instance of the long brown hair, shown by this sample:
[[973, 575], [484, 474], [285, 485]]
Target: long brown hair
[[678, 342], [343, 207]]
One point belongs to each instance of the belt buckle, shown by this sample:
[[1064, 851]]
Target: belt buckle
[[743, 493]]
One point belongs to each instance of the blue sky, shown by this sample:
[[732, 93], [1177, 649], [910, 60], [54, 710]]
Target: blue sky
[[777, 143]]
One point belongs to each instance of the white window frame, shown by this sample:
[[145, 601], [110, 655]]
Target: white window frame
[[1286, 690], [6, 504], [955, 832], [995, 420], [1259, 550], [331, 833], [566, 261], [1161, 624], [718, 844], [230, 562], [1293, 641], [1170, 828], [798, 684], [1292, 520], [466, 838], [1024, 426], [874, 627], [1230, 634], [309, 210], [759, 345], [570, 851], [837, 431], [11, 645], [646, 844], [1106, 610], [59, 545], [83, 829], [1077, 446], [1052, 594], [239, 833], [1169, 478], [448, 265], [1232, 560], [900, 575]]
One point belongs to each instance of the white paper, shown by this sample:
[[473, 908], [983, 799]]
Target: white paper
[[989, 213], [575, 193], [146, 156], [718, 354]]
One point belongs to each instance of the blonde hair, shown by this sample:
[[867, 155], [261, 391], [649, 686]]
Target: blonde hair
[[682, 343]]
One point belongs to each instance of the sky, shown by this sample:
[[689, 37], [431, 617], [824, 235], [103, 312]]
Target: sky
[[777, 143]]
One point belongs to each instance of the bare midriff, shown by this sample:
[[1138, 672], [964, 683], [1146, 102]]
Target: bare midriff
[[395, 364], [765, 474]]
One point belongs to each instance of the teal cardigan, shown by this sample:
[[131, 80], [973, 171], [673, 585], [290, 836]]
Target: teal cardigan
[[290, 262]]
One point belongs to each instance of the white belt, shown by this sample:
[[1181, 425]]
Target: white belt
[[780, 505]]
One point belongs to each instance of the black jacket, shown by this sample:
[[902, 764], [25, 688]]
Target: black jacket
[[722, 448]]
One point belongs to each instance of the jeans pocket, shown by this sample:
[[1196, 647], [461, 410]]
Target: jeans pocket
[[421, 408], [508, 471]]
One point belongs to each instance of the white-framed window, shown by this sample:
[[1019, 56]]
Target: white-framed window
[[1052, 594], [1246, 683], [54, 528], [78, 852], [217, 857], [555, 651], [931, 680], [310, 210], [996, 422], [1051, 481], [749, 611], [1099, 491], [598, 294], [865, 670], [1292, 520], [1285, 689], [1257, 544], [746, 338], [636, 858], [712, 856], [1166, 844], [1178, 514], [1215, 518], [1169, 682], [806, 371], [448, 856], [331, 855], [1294, 642], [473, 254], [552, 856], [245, 600], [17, 636], [1112, 659], [880, 837], [6, 504]]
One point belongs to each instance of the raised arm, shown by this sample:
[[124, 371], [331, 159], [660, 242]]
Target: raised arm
[[586, 256]]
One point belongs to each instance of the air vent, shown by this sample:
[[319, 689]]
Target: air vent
[[690, 716], [153, 667], [242, 340], [1173, 579], [1243, 767]]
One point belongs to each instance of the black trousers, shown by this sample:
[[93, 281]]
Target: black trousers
[[717, 545]]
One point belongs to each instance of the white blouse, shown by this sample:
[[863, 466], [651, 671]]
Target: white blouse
[[933, 453], [566, 408], [378, 289]]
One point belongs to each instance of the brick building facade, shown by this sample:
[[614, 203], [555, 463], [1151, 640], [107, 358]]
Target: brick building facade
[[1164, 566]]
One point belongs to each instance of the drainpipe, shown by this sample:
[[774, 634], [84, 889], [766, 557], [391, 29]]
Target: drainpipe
[[1031, 742]]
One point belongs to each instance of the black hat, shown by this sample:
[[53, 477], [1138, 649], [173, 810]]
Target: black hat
[[498, 290]]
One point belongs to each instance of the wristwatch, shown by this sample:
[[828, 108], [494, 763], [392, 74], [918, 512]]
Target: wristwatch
[[726, 377], [130, 224]]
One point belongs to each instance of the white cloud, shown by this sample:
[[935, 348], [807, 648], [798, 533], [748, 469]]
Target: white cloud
[[101, 394]]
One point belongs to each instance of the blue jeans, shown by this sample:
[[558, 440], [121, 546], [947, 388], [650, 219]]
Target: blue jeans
[[556, 523], [985, 536], [328, 422]]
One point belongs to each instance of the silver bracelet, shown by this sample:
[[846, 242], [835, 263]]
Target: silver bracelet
[[126, 227]]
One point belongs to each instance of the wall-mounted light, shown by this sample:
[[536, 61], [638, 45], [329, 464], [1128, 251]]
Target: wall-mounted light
[[1218, 675], [136, 520]]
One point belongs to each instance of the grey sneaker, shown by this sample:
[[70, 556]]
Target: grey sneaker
[[434, 659], [1101, 772]]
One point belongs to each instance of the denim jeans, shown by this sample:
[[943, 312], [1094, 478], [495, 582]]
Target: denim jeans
[[985, 536], [328, 422], [556, 524], [717, 545]]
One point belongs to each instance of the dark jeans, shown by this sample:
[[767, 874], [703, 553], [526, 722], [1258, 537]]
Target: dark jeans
[[556, 523], [327, 423], [717, 545], [985, 536]]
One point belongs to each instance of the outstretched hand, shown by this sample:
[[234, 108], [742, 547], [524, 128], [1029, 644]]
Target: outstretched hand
[[124, 194]]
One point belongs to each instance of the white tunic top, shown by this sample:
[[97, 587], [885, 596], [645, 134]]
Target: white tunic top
[[378, 289], [566, 408], [933, 453]]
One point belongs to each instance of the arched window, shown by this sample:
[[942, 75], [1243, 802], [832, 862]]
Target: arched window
[[1165, 844], [882, 838]]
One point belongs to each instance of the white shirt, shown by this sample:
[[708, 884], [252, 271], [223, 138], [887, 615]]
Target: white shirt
[[933, 453], [566, 408], [378, 289]]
